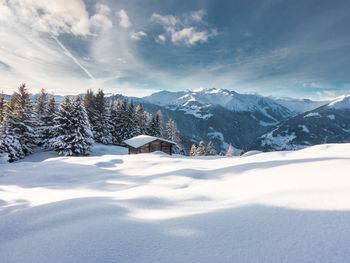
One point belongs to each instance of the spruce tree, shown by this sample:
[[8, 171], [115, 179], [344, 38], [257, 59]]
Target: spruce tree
[[41, 103], [210, 149], [48, 123], [201, 149], [131, 121], [22, 108], [2, 108], [141, 119], [230, 151], [10, 145], [73, 130], [89, 104], [121, 124], [40, 110], [155, 127], [100, 116], [18, 132], [115, 120], [193, 150], [173, 134]]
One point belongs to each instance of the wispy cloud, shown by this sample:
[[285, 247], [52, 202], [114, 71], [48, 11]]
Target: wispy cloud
[[138, 35], [124, 20], [101, 20], [184, 31]]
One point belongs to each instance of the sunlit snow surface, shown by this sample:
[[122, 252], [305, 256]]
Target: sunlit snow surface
[[112, 207]]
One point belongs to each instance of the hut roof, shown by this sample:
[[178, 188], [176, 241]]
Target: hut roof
[[141, 140]]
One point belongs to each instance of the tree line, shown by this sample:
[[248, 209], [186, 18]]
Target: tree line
[[209, 150], [71, 127]]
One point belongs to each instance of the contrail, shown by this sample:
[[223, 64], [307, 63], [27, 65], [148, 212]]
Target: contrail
[[69, 54]]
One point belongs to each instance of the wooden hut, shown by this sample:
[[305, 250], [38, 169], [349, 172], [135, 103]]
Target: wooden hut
[[148, 144]]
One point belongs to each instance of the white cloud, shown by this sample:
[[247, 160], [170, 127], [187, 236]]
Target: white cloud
[[124, 20], [197, 16], [188, 31], [167, 21], [313, 84], [101, 19], [160, 39], [102, 9], [189, 36], [51, 16], [138, 35]]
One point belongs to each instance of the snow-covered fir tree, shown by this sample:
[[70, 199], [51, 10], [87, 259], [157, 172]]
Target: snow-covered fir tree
[[89, 104], [173, 134], [72, 129], [141, 119], [10, 145], [210, 149], [18, 132], [131, 121], [201, 149], [230, 151], [115, 121], [193, 150], [40, 110], [155, 127], [2, 108], [41, 103], [120, 121], [48, 123], [100, 116]]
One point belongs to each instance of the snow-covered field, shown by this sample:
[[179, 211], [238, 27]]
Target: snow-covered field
[[111, 207]]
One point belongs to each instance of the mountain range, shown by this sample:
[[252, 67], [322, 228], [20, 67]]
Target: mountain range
[[329, 123]]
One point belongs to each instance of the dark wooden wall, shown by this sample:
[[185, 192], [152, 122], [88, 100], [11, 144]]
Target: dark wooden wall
[[152, 147]]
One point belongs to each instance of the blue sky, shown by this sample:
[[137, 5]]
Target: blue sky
[[273, 47]]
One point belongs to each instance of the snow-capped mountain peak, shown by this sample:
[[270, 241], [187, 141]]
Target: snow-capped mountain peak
[[342, 102]]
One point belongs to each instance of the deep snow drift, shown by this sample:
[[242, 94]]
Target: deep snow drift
[[110, 207]]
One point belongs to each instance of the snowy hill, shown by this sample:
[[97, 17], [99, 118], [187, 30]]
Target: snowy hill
[[327, 124], [267, 207]]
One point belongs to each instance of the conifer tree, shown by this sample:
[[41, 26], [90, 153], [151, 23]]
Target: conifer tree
[[210, 149], [155, 127], [141, 119], [131, 121], [2, 108], [230, 151], [125, 121], [193, 151], [41, 103], [173, 134], [100, 116], [201, 149], [47, 132], [89, 104], [119, 120], [10, 145], [40, 110], [22, 107], [73, 130], [18, 132]]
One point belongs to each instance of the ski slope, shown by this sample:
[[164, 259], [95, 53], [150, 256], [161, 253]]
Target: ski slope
[[112, 207]]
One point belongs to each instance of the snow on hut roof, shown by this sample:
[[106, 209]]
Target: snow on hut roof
[[140, 140]]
